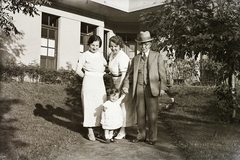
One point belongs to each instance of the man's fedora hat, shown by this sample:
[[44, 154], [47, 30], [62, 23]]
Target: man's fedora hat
[[144, 37]]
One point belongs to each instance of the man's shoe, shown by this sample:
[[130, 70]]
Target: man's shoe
[[151, 142], [138, 140]]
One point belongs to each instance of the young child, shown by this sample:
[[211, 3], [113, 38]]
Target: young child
[[112, 116]]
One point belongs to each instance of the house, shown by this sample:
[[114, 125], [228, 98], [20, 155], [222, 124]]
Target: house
[[56, 37]]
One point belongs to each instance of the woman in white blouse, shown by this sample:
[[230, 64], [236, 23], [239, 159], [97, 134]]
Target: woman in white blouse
[[118, 65], [91, 67]]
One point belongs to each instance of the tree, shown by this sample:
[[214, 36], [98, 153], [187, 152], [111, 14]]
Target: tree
[[28, 7], [210, 27]]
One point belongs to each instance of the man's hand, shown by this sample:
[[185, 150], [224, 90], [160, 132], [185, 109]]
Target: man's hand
[[162, 92], [124, 90]]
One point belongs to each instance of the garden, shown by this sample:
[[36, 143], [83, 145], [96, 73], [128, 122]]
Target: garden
[[41, 118], [41, 114]]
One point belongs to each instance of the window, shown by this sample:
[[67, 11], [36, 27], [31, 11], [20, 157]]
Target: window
[[86, 31], [49, 41]]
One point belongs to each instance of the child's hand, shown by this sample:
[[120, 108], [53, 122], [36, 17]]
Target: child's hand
[[122, 96]]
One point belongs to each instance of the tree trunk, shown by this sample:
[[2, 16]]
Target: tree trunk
[[233, 89]]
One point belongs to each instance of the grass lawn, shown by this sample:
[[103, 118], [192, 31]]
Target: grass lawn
[[34, 118], [196, 124], [38, 121]]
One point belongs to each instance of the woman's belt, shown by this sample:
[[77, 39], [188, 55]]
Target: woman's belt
[[94, 73], [115, 75]]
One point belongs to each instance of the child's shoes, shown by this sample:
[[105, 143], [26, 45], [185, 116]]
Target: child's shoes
[[112, 140], [120, 136]]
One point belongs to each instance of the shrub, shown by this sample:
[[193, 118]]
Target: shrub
[[33, 73]]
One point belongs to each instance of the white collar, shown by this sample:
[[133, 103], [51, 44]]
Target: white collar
[[94, 55], [119, 53], [147, 53]]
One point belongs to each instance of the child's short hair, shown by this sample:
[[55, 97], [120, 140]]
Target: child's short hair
[[112, 91]]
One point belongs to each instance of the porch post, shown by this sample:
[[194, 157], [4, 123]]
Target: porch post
[[100, 32]]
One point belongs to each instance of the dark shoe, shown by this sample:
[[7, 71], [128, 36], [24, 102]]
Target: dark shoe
[[100, 136], [138, 140], [151, 142], [170, 106], [107, 141]]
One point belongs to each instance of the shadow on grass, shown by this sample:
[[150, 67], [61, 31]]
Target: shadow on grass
[[196, 131], [61, 117], [73, 101], [73, 91], [203, 114], [7, 132]]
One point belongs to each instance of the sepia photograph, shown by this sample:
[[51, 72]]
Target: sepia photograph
[[120, 80]]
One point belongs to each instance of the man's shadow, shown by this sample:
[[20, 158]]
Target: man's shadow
[[61, 117]]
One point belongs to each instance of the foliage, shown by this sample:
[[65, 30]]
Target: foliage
[[202, 72], [13, 71], [33, 73], [27, 7], [211, 72], [227, 100], [207, 27]]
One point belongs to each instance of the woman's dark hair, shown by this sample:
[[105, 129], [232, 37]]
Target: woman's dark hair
[[94, 38], [117, 40], [113, 91]]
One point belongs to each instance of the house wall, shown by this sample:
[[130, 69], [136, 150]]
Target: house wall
[[69, 35], [26, 48], [69, 31], [68, 42]]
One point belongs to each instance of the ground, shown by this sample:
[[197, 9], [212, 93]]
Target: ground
[[82, 148]]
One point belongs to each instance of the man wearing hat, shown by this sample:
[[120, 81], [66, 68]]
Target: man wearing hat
[[147, 77]]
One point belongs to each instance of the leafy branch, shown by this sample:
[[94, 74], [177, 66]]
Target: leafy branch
[[27, 7]]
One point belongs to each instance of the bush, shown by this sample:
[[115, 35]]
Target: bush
[[34, 73]]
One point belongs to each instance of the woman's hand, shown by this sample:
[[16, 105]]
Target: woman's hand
[[124, 90]]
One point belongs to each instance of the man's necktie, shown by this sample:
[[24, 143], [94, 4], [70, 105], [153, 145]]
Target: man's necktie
[[144, 56]]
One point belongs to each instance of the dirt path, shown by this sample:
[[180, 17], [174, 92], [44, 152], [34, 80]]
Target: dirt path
[[84, 149]]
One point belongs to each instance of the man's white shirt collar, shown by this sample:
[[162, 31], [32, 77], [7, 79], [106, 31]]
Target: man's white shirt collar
[[147, 53]]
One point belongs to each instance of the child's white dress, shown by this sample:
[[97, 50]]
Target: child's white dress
[[112, 117]]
